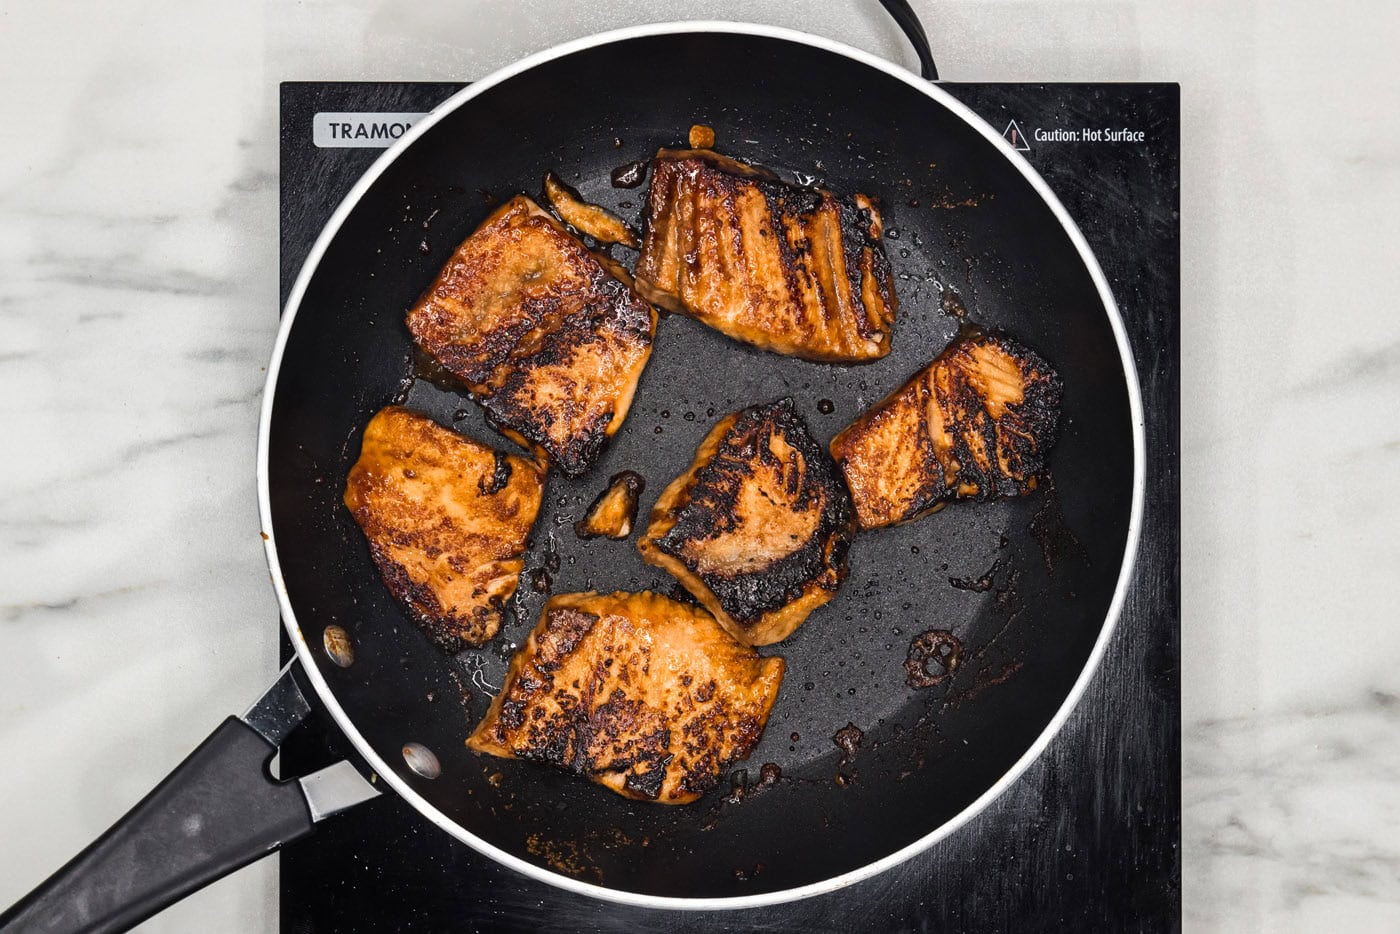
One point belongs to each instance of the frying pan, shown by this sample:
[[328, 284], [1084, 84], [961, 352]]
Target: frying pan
[[872, 769]]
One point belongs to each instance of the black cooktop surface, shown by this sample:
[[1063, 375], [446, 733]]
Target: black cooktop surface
[[1088, 838]]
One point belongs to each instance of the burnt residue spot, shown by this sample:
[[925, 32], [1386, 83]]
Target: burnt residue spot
[[848, 740], [630, 175], [744, 875], [826, 406], [953, 305], [568, 857], [986, 679], [464, 694], [978, 584], [551, 554], [500, 476], [738, 786], [933, 657], [947, 200], [540, 580], [768, 775], [1050, 532]]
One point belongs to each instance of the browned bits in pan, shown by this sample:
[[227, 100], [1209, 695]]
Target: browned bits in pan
[[702, 137], [848, 740], [630, 175], [933, 657]]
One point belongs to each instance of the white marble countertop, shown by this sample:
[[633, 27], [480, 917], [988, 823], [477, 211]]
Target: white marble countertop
[[138, 283]]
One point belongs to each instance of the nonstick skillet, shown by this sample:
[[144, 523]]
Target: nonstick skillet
[[872, 769]]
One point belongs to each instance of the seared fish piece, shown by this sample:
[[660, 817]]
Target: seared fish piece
[[446, 518], [615, 509], [598, 223], [646, 696], [797, 270], [976, 423], [550, 338], [758, 527]]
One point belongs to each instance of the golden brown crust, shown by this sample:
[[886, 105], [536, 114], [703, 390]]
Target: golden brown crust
[[796, 270], [587, 218], [615, 510], [976, 423], [550, 339], [646, 696], [446, 519], [758, 527]]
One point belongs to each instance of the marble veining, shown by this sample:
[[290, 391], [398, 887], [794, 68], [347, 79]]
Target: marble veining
[[138, 268], [1290, 817]]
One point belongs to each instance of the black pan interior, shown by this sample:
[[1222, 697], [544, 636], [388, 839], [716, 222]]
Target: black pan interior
[[1038, 574]]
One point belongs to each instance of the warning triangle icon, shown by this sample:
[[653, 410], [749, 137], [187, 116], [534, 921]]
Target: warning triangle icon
[[1016, 137]]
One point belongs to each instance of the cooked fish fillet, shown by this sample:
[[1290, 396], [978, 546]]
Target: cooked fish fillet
[[446, 518], [644, 695], [598, 223], [796, 270], [976, 423], [549, 337], [758, 527], [615, 509]]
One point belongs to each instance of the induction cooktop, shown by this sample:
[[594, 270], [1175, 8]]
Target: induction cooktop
[[1088, 838]]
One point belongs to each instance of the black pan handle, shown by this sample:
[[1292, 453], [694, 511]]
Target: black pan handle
[[219, 810], [904, 15]]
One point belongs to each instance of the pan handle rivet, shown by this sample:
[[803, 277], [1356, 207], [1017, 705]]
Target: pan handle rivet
[[421, 760], [338, 646]]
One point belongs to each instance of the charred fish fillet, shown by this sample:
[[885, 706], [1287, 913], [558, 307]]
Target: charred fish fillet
[[446, 519], [758, 528], [976, 423], [799, 271], [646, 696], [550, 338]]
